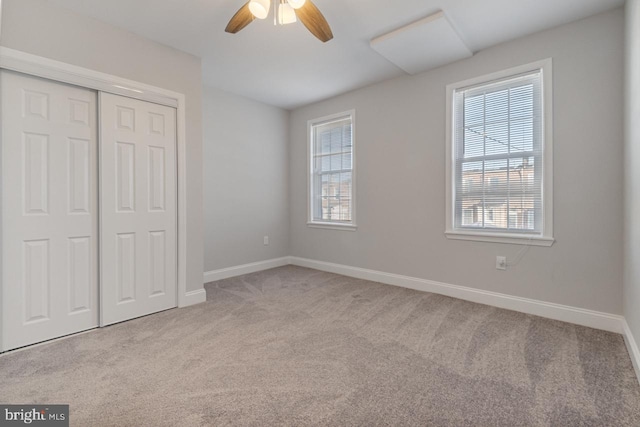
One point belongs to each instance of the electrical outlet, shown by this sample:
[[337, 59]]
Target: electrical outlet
[[501, 263], [266, 240]]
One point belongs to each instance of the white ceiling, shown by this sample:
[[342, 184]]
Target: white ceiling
[[286, 66]]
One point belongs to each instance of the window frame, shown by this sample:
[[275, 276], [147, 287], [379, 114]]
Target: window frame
[[545, 237], [331, 224]]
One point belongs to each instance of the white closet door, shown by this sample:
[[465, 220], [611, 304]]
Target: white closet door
[[49, 210], [137, 208]]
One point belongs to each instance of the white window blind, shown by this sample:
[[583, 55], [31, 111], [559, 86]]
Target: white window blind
[[498, 149], [331, 189]]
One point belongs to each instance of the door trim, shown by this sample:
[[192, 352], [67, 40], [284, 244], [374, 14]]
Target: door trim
[[38, 66]]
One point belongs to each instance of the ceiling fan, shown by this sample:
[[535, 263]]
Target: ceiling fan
[[285, 12]]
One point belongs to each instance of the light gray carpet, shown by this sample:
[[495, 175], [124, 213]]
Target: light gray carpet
[[293, 346]]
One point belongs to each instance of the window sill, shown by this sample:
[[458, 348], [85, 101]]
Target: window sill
[[332, 226], [515, 239]]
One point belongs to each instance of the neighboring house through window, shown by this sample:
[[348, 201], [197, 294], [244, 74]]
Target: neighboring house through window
[[499, 171], [332, 172]]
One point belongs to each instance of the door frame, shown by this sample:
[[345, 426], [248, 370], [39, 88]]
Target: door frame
[[26, 63]]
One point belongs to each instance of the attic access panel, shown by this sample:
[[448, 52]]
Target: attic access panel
[[423, 45]]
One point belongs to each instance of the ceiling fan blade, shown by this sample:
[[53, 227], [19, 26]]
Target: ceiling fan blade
[[241, 19], [313, 19]]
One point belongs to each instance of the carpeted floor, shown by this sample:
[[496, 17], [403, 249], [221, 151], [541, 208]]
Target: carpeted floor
[[294, 346]]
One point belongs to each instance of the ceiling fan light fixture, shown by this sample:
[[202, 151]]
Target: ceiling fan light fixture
[[286, 14], [296, 4], [306, 12], [259, 8]]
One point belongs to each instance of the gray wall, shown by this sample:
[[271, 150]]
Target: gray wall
[[632, 170], [400, 127], [246, 177], [37, 27]]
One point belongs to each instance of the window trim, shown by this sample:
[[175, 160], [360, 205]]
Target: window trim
[[545, 238], [332, 225]]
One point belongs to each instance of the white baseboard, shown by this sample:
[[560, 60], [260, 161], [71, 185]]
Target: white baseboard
[[632, 346], [565, 313], [225, 273], [193, 298], [579, 316]]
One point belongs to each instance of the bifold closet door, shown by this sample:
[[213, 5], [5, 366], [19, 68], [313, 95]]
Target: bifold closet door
[[138, 197], [49, 210]]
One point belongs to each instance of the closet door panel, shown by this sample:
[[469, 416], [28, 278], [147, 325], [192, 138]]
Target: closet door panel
[[49, 209], [138, 203]]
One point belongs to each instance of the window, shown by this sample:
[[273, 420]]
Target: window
[[499, 142], [332, 173]]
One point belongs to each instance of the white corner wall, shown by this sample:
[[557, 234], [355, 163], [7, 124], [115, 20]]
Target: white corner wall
[[40, 28], [246, 181], [631, 294], [401, 177]]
